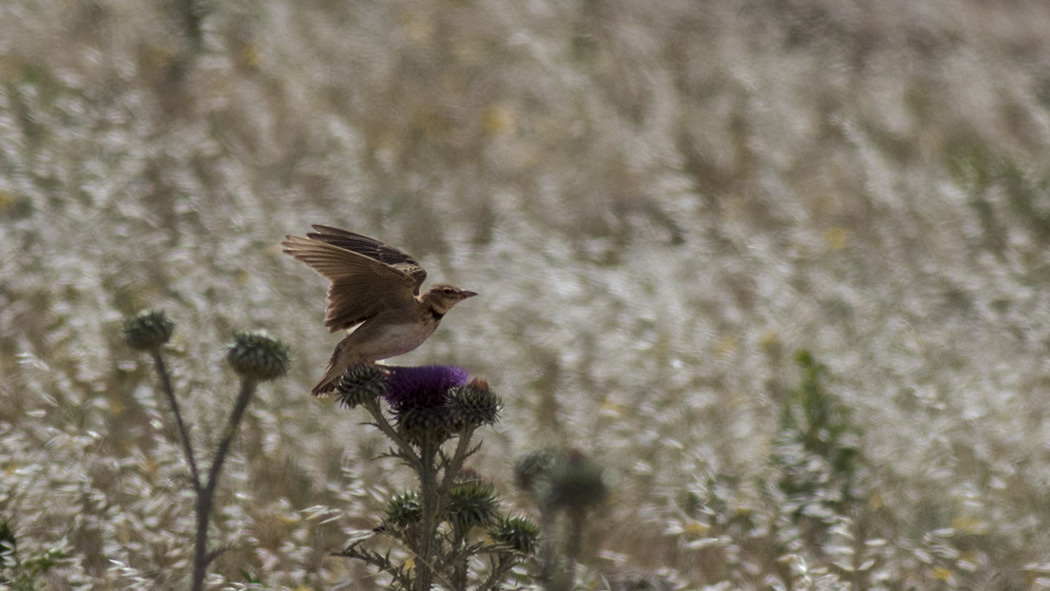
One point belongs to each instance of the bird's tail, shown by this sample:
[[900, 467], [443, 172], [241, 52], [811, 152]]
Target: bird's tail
[[337, 366], [327, 384]]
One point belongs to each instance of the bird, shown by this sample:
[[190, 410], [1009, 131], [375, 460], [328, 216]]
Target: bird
[[375, 290]]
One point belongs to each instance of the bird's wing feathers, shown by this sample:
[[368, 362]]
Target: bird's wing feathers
[[361, 286], [371, 248]]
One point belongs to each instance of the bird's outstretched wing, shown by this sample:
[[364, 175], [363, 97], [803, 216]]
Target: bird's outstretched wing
[[371, 248], [361, 287]]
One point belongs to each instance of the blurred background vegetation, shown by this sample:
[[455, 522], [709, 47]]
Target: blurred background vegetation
[[659, 202]]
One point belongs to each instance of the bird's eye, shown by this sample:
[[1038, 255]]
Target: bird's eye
[[448, 291]]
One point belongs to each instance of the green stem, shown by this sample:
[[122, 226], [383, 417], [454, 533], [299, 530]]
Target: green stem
[[428, 519], [184, 435], [547, 557], [384, 425], [206, 495], [574, 543], [452, 468], [499, 569]]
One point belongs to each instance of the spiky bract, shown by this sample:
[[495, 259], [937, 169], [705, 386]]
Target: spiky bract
[[517, 533], [403, 510], [257, 356], [471, 503], [360, 384], [473, 405], [148, 330]]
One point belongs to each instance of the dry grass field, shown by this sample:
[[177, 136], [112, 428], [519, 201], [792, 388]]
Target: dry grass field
[[660, 203]]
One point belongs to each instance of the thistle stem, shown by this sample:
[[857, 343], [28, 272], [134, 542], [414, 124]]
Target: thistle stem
[[184, 435], [574, 543], [384, 425], [206, 494], [547, 558], [453, 466], [428, 519]]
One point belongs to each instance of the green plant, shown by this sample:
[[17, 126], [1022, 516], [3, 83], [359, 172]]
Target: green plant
[[255, 357], [20, 573], [566, 486], [817, 445], [420, 410]]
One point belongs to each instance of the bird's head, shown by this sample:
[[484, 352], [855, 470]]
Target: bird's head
[[442, 297]]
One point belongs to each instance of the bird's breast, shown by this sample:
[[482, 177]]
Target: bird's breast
[[380, 340]]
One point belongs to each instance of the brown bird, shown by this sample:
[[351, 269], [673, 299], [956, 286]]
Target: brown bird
[[375, 287]]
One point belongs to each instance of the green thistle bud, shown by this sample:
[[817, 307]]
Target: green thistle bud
[[533, 468], [517, 533], [403, 511], [427, 424], [148, 330], [575, 482], [471, 503], [256, 356], [360, 384], [474, 404]]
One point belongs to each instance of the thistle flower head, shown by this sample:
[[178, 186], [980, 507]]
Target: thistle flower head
[[518, 533], [471, 503], [422, 387], [575, 482], [533, 468], [420, 400], [148, 330], [424, 424], [257, 356], [403, 510], [474, 404], [360, 384]]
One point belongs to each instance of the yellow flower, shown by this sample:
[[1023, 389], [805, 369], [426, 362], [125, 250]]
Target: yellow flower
[[498, 120], [696, 528], [837, 238], [969, 525], [250, 56]]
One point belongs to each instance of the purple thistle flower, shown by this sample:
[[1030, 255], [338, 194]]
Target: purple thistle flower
[[422, 387]]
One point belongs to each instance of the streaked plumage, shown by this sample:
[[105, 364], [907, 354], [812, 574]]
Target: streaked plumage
[[375, 288]]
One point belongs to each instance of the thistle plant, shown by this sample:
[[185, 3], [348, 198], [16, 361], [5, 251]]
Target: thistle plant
[[255, 357], [566, 486], [430, 414]]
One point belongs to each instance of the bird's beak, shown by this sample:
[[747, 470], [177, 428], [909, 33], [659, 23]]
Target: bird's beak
[[467, 294]]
